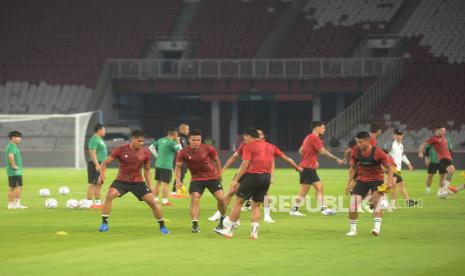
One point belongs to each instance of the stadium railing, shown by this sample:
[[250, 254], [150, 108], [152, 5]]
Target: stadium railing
[[249, 68]]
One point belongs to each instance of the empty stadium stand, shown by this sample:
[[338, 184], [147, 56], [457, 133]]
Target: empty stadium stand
[[66, 42], [333, 28], [233, 29]]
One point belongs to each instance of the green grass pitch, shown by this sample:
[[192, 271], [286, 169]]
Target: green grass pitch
[[427, 241]]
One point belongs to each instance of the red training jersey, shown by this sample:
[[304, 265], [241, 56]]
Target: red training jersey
[[261, 156], [199, 162], [131, 163], [441, 145], [310, 147], [373, 171]]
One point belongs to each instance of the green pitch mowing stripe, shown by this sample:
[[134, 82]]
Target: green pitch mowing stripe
[[428, 240]]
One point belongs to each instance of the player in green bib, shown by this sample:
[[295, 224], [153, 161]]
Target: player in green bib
[[432, 163], [165, 150], [14, 169], [97, 154]]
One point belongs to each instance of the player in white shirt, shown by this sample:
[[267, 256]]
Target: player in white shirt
[[396, 151]]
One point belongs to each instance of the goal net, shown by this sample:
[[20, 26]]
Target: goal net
[[50, 140]]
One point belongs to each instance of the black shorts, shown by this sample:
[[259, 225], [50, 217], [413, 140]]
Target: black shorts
[[362, 188], [92, 173], [138, 189], [443, 164], [198, 186], [434, 167], [398, 178], [15, 181], [255, 186], [163, 175], [309, 176]]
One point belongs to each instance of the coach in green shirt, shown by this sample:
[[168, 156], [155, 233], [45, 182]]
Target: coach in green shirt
[[165, 150], [14, 169], [97, 154]]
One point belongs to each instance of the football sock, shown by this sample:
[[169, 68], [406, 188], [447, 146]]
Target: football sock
[[353, 225]]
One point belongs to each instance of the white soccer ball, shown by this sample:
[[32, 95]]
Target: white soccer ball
[[63, 190], [51, 203], [44, 192], [84, 204], [72, 203]]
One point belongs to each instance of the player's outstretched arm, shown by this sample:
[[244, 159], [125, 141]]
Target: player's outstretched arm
[[273, 166], [421, 150], [230, 161], [219, 169], [177, 173], [325, 152], [290, 162], [103, 169], [242, 170]]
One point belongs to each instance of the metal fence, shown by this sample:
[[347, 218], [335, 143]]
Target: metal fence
[[248, 68]]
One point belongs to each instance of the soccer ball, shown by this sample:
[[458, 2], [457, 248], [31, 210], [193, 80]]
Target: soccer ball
[[84, 204], [44, 192], [63, 190], [51, 203], [72, 204]]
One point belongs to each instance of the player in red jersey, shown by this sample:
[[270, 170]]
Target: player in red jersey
[[441, 145], [369, 162], [309, 150], [205, 166], [255, 176], [233, 189], [132, 158]]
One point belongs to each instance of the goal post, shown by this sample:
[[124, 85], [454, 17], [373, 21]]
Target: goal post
[[50, 140]]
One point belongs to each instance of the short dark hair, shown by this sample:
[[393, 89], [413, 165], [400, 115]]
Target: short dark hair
[[398, 131], [440, 126], [98, 127], [260, 129], [317, 124], [195, 132], [14, 133], [386, 151], [375, 127], [172, 130], [362, 135], [352, 143], [137, 134], [251, 131]]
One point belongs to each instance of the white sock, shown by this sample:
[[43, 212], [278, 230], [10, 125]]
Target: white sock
[[255, 226], [156, 199], [11, 203], [267, 211], [164, 200], [353, 225], [378, 223], [217, 214], [17, 202], [98, 202], [89, 201], [461, 187]]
